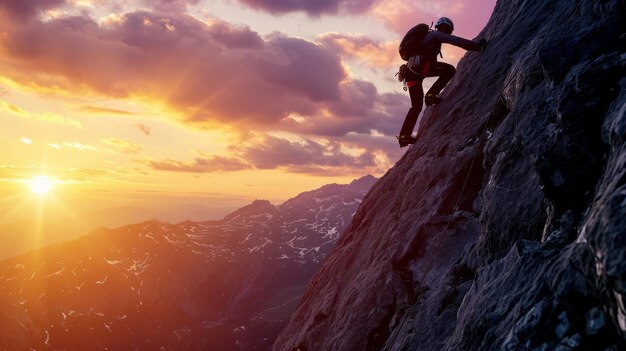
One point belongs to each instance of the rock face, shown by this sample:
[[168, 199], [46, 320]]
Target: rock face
[[504, 226], [218, 285]]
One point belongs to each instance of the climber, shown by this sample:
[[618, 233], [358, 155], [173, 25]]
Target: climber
[[424, 64]]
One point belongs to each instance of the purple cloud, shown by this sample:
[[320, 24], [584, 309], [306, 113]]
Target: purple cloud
[[311, 7], [306, 156], [277, 152], [25, 9], [302, 66], [170, 5], [217, 72], [359, 109]]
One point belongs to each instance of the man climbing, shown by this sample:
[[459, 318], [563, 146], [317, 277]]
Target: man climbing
[[423, 63]]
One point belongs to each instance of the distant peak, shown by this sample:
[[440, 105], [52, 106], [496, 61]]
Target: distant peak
[[261, 203], [364, 182], [256, 207]]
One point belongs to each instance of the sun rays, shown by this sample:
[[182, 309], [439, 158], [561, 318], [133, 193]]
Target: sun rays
[[40, 185], [38, 205]]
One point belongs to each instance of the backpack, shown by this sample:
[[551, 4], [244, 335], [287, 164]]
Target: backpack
[[410, 43]]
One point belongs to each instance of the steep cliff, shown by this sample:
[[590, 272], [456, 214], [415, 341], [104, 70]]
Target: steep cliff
[[504, 226]]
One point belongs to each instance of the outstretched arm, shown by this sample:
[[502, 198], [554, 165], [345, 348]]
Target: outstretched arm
[[466, 44]]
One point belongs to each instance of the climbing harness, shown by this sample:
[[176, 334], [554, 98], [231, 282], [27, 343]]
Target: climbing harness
[[416, 64]]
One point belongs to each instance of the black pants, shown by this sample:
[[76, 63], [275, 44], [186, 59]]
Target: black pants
[[445, 72]]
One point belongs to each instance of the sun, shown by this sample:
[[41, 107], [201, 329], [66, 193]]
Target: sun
[[40, 185]]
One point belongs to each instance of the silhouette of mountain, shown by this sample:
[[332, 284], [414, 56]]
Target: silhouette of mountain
[[230, 284]]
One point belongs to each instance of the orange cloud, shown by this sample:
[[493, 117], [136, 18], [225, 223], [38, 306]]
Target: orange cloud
[[372, 52], [207, 164], [72, 175], [38, 116], [125, 146], [79, 146], [103, 110], [73, 145]]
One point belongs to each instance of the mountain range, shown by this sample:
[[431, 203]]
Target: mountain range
[[227, 284]]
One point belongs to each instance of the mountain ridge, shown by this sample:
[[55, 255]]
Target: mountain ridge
[[226, 284]]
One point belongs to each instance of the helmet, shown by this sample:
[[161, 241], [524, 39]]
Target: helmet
[[444, 20]]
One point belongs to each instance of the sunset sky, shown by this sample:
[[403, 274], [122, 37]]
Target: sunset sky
[[209, 102]]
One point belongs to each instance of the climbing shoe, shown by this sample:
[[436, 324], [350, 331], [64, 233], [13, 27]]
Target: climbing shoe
[[432, 99], [405, 140]]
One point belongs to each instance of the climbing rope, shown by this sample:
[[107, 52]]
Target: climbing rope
[[469, 171]]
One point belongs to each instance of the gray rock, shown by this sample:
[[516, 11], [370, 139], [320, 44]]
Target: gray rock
[[563, 327], [595, 321], [573, 341]]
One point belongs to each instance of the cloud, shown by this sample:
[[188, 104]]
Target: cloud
[[38, 116], [353, 154], [79, 146], [276, 152], [469, 16], [13, 173], [401, 15], [302, 66], [373, 52], [207, 164], [125, 146], [213, 73], [147, 130], [93, 171], [62, 175], [204, 72], [73, 145], [24, 9], [87, 175], [170, 5], [103, 110], [26, 141], [359, 110], [311, 7], [296, 156]]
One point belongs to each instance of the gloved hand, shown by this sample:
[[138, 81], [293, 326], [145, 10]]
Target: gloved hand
[[483, 43]]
